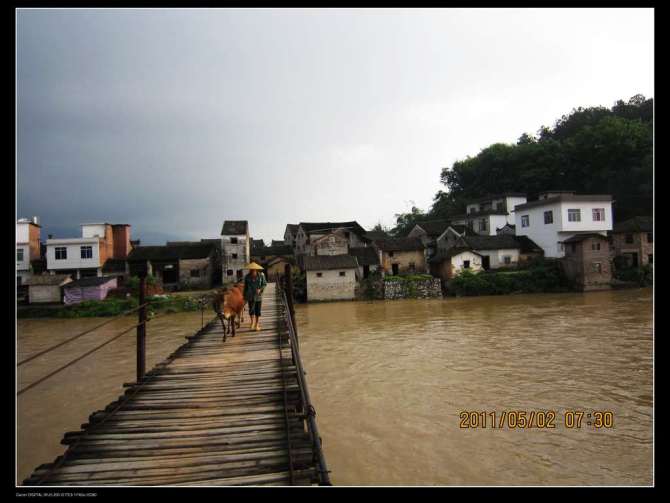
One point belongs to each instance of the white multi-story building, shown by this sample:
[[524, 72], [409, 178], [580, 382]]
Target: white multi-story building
[[485, 216], [559, 215], [85, 256], [27, 247], [236, 249]]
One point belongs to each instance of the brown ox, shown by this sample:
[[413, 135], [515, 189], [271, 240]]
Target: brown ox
[[229, 306]]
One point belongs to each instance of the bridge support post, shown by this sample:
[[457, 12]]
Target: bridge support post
[[142, 330], [288, 278]]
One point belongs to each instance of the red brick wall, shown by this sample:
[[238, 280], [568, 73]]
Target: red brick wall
[[34, 241], [121, 241]]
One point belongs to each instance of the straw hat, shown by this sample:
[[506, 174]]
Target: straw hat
[[253, 265]]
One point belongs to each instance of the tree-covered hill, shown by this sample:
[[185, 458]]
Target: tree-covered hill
[[594, 150]]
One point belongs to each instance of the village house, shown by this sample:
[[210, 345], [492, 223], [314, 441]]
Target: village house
[[27, 248], [236, 249], [290, 235], [308, 232], [587, 261], [374, 235], [451, 235], [507, 229], [86, 256], [402, 255], [428, 232], [274, 259], [633, 241], [175, 267], [94, 288], [557, 216], [529, 249], [332, 243], [47, 288], [368, 258], [448, 263], [330, 277], [495, 251], [485, 216]]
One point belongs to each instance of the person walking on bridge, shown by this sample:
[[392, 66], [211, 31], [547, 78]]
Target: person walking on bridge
[[254, 284]]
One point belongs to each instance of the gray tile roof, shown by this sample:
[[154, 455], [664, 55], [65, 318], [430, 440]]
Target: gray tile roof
[[326, 262], [178, 252], [311, 227], [451, 252], [499, 242], [47, 280], [234, 227], [527, 245], [366, 255], [399, 244], [434, 228], [581, 237], [92, 281]]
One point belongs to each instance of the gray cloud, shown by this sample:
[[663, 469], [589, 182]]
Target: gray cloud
[[173, 120]]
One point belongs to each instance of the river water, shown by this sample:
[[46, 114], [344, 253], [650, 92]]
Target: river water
[[389, 378]]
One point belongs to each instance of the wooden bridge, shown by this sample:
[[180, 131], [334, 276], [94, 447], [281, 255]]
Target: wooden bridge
[[212, 413]]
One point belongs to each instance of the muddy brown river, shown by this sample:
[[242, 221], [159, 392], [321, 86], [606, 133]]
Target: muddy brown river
[[389, 380]]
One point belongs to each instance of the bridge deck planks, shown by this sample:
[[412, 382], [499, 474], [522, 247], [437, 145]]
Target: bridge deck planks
[[210, 414]]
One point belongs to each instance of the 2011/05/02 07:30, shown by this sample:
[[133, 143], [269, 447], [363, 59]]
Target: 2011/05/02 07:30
[[521, 419]]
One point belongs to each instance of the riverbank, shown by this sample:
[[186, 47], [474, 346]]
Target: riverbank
[[173, 303]]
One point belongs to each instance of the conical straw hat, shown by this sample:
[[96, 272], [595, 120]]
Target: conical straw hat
[[253, 265]]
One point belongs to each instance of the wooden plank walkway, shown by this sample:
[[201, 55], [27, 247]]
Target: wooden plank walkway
[[212, 413]]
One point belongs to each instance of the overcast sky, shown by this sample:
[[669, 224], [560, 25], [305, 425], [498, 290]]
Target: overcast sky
[[174, 120]]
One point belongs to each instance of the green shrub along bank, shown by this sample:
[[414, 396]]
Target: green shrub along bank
[[545, 278], [644, 276], [113, 307]]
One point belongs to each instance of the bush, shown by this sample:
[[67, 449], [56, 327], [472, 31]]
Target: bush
[[543, 277], [643, 276]]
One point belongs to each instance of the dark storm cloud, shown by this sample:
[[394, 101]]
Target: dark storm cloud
[[173, 120]]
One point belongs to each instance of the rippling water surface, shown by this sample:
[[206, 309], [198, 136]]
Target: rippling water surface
[[388, 379]]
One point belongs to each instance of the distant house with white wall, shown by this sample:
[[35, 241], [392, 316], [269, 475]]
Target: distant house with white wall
[[557, 216], [86, 256], [309, 232], [27, 247], [236, 249], [330, 277], [495, 251], [446, 264], [486, 215], [290, 235]]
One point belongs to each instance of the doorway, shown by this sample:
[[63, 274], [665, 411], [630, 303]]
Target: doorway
[[394, 268], [486, 262]]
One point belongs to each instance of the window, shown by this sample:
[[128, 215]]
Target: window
[[61, 253], [347, 234], [598, 214], [629, 239], [482, 224], [650, 237], [319, 274], [507, 259], [525, 220], [466, 264], [574, 215], [390, 254], [19, 254], [195, 273], [595, 246], [234, 255], [650, 258], [573, 247], [233, 241], [19, 279], [412, 266], [343, 273], [596, 267], [86, 252], [229, 272], [549, 217]]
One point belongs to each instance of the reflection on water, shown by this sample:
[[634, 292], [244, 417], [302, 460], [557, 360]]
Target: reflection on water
[[63, 402], [388, 379]]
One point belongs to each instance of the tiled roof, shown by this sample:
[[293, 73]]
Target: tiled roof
[[451, 252], [283, 250], [114, 265], [92, 281], [373, 235], [434, 228], [234, 227], [311, 227], [635, 224], [499, 242], [399, 244], [366, 255], [527, 244], [180, 252], [47, 280], [564, 198], [325, 262]]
